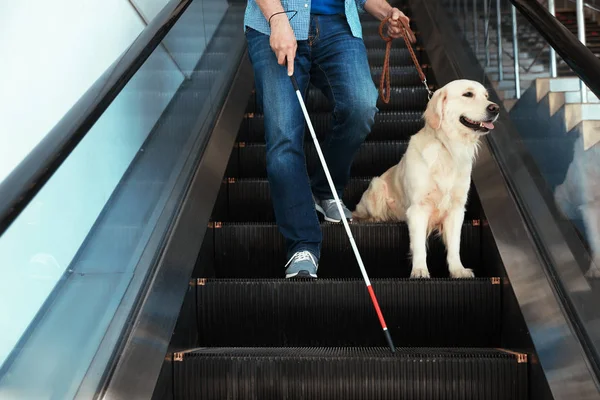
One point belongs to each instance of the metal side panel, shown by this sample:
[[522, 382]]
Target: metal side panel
[[143, 353], [560, 357]]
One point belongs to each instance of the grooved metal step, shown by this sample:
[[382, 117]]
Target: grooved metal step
[[257, 250], [372, 159], [249, 200], [401, 97], [350, 373], [338, 312], [389, 125], [398, 56], [373, 40], [404, 75]]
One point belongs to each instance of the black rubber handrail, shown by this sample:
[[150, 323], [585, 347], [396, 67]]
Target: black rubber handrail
[[580, 58], [26, 180]]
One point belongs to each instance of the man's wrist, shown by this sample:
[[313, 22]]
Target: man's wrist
[[387, 11], [276, 17], [279, 21], [379, 9]]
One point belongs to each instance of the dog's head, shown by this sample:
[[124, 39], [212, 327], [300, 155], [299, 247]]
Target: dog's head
[[461, 107]]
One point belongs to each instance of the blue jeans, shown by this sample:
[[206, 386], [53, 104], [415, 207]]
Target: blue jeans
[[335, 62]]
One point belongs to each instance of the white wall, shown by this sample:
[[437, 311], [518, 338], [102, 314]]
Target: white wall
[[52, 52], [149, 8]]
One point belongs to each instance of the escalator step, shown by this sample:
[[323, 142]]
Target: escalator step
[[372, 159], [339, 312], [399, 76], [372, 40], [257, 250], [406, 98], [388, 126], [350, 373], [249, 200], [398, 56]]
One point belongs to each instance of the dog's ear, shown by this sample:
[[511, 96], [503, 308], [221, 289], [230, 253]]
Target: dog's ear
[[434, 114]]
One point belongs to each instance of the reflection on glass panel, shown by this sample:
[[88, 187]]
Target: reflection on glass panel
[[72, 258], [557, 121], [49, 67], [48, 246]]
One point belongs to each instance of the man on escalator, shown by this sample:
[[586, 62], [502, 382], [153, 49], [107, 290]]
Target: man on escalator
[[320, 42]]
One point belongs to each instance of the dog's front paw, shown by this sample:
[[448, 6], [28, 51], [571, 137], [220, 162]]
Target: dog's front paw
[[461, 272], [419, 273]]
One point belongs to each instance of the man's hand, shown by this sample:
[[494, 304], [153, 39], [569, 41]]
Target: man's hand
[[381, 9], [283, 42], [395, 27]]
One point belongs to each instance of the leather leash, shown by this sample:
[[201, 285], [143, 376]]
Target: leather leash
[[409, 38]]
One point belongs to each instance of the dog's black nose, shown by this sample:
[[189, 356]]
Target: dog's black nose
[[494, 108]]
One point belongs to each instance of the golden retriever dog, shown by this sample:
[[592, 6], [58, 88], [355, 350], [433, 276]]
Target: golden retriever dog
[[428, 188]]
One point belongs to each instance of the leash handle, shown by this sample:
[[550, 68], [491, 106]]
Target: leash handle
[[409, 38]]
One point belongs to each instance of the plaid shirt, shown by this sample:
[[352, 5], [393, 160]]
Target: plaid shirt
[[254, 18]]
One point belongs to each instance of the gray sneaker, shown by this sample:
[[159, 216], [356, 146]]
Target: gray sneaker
[[302, 265], [329, 209]]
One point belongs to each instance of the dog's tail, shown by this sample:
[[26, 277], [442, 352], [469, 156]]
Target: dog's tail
[[373, 205]]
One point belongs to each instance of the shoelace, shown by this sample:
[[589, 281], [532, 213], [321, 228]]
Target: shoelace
[[330, 202], [302, 256]]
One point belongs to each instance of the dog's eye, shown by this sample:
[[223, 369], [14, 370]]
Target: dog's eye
[[468, 94]]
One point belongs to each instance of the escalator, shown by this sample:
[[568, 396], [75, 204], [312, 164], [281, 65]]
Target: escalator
[[259, 336], [176, 288]]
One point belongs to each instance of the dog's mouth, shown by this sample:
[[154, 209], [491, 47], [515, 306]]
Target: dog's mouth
[[478, 126]]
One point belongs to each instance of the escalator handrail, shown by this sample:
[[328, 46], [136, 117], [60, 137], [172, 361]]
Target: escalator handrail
[[27, 179], [577, 55]]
